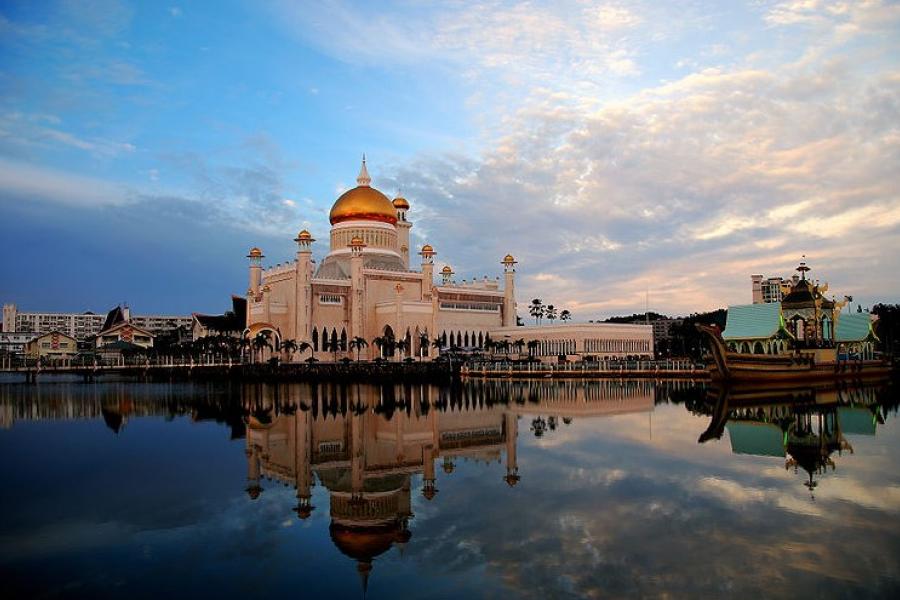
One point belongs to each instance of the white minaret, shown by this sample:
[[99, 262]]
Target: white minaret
[[255, 255], [427, 271], [403, 227], [509, 291], [357, 288], [304, 286]]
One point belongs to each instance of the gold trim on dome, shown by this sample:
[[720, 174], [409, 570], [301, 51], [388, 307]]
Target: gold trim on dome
[[400, 203], [426, 249], [255, 253]]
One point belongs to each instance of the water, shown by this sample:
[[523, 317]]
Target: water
[[536, 490]]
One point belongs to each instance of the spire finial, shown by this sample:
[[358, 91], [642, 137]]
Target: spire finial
[[363, 178]]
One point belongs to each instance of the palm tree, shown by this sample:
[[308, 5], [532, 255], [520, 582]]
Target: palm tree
[[519, 344], [303, 347], [550, 313], [536, 310], [358, 344], [423, 345], [438, 343], [532, 347], [243, 345], [386, 345], [402, 346], [332, 346], [289, 347], [261, 341], [565, 315]]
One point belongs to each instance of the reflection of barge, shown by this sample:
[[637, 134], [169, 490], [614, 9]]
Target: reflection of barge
[[804, 337], [804, 425]]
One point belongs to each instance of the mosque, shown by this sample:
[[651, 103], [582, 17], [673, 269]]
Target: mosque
[[365, 287]]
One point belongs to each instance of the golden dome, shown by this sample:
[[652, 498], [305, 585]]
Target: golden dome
[[255, 253], [363, 203], [427, 248], [400, 203], [447, 270], [304, 235], [508, 259]]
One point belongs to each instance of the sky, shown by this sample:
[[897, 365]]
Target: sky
[[628, 154]]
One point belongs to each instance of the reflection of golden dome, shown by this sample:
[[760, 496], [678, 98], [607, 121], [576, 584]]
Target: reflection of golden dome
[[255, 253], [363, 543], [357, 241], [400, 203]]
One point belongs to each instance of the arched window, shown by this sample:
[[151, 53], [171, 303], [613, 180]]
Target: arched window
[[343, 340], [315, 339], [334, 340], [480, 340]]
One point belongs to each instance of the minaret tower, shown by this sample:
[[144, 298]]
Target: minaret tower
[[403, 227], [357, 288], [509, 291], [446, 275], [304, 286], [427, 270], [255, 255]]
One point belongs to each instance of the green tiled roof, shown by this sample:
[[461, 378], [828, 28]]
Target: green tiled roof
[[753, 321], [853, 327]]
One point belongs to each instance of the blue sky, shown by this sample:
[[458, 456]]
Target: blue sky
[[615, 148]]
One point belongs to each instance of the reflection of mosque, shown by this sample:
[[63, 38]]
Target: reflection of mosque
[[118, 402], [365, 444], [805, 427]]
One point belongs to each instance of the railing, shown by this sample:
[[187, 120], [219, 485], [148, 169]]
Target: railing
[[15, 363], [587, 367]]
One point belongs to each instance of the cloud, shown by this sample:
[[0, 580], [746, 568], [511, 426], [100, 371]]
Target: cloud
[[25, 182], [683, 188]]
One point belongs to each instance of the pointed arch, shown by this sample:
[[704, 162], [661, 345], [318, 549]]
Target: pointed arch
[[480, 340], [334, 339], [315, 339], [343, 339]]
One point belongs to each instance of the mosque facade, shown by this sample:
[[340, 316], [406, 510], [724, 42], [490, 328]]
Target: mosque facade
[[367, 287]]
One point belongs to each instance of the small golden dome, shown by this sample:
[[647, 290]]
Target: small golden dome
[[400, 203], [447, 270], [304, 235], [427, 249], [508, 259], [255, 253]]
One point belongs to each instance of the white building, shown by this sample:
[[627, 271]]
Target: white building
[[81, 325]]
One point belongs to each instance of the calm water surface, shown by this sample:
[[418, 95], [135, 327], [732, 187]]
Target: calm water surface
[[600, 489]]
